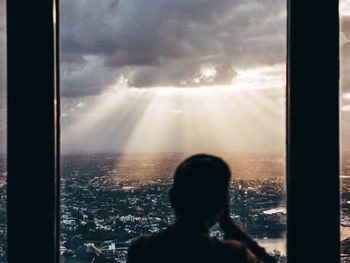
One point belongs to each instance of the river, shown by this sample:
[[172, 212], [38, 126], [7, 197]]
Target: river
[[274, 243]]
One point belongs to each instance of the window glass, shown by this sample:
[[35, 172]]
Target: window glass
[[344, 11], [145, 84], [3, 130]]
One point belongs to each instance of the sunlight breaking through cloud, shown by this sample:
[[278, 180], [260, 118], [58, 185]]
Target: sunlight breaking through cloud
[[178, 119]]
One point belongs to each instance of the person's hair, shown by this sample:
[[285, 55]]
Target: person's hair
[[200, 187]]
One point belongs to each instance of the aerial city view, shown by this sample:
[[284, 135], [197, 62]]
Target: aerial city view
[[345, 207], [110, 199], [344, 12], [143, 85], [3, 216]]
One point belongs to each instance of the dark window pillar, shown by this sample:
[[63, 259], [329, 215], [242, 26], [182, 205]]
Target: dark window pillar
[[313, 132], [31, 132]]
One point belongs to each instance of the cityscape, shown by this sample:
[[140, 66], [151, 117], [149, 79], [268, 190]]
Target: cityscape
[[3, 218], [103, 209], [108, 200], [345, 207]]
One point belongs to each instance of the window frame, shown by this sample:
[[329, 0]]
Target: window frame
[[313, 149], [31, 147], [312, 132]]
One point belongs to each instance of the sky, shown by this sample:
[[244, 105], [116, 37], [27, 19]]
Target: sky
[[164, 75], [344, 9], [3, 100]]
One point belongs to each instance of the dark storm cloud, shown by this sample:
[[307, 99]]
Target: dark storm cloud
[[345, 54], [86, 76], [345, 79], [87, 26], [3, 86], [2, 55], [166, 42], [2, 17]]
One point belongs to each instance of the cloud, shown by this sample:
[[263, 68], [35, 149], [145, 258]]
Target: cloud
[[89, 76], [3, 85], [345, 53], [165, 42], [344, 74], [344, 8], [2, 55]]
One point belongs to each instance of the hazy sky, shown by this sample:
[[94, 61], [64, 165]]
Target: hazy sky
[[345, 72], [3, 109], [164, 75]]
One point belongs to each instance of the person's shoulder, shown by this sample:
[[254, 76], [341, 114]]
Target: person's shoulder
[[140, 242], [145, 242], [138, 248], [145, 246], [239, 251]]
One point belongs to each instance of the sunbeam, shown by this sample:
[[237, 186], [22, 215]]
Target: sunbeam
[[233, 118]]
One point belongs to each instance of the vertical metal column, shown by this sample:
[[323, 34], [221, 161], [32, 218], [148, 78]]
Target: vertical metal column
[[313, 132], [31, 132]]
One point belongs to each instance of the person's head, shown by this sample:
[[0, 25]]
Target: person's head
[[200, 188]]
